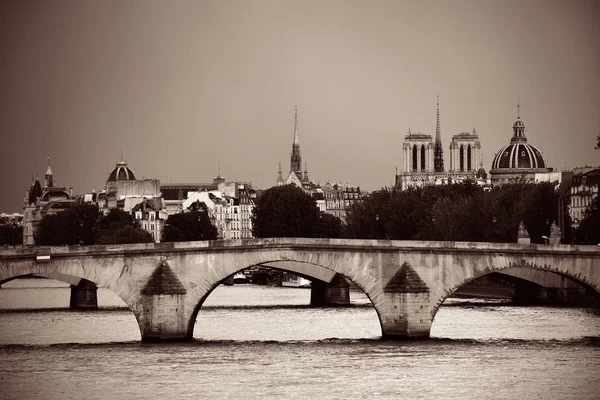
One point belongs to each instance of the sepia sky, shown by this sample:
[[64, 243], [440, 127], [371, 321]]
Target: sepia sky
[[183, 87]]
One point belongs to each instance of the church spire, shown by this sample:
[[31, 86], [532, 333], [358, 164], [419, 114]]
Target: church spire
[[296, 157], [296, 140], [438, 151]]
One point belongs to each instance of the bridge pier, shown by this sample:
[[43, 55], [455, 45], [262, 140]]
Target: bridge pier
[[84, 295], [163, 316], [405, 316], [334, 293]]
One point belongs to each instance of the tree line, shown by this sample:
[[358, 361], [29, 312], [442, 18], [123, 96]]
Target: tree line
[[84, 224], [456, 212]]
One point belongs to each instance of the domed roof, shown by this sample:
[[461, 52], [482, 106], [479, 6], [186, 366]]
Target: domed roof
[[121, 173], [519, 155]]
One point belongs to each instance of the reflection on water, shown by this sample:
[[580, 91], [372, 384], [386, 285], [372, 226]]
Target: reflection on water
[[262, 342]]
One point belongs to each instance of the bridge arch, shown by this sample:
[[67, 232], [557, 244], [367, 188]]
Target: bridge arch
[[70, 275], [465, 275], [285, 263]]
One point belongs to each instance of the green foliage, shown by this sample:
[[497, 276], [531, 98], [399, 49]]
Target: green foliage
[[285, 211], [189, 226], [458, 212], [73, 226], [119, 227], [11, 235]]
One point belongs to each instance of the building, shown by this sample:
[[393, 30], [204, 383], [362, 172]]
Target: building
[[150, 217], [296, 176], [123, 191], [518, 159], [229, 208], [333, 199], [423, 159], [584, 189], [41, 201], [339, 197], [140, 197], [173, 194]]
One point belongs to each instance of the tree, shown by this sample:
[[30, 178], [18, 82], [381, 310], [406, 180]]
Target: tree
[[72, 226], [189, 226], [597, 147], [538, 209], [119, 227], [285, 211], [329, 226], [11, 234], [588, 231], [367, 219]]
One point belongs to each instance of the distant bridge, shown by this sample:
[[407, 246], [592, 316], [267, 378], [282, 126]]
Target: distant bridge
[[165, 284]]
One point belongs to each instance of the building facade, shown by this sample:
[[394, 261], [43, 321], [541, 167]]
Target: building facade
[[41, 201], [423, 160], [584, 189]]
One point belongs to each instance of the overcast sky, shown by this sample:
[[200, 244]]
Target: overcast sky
[[182, 87]]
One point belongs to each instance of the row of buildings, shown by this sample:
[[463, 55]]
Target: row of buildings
[[423, 159], [230, 204]]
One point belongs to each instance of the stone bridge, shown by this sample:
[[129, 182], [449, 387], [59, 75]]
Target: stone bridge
[[165, 284]]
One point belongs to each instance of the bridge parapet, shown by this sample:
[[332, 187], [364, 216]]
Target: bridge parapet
[[406, 281]]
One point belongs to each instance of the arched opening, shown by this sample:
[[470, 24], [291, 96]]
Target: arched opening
[[414, 158], [502, 305], [36, 310], [265, 310], [461, 158], [469, 160], [423, 159]]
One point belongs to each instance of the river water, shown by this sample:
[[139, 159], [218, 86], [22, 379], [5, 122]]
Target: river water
[[265, 342]]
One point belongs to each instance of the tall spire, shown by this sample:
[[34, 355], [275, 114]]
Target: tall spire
[[438, 151], [296, 140], [296, 157], [518, 108]]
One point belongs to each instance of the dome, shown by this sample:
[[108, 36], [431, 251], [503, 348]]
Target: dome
[[121, 173], [518, 155]]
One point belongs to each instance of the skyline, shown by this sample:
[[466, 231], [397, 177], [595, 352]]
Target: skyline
[[82, 81]]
